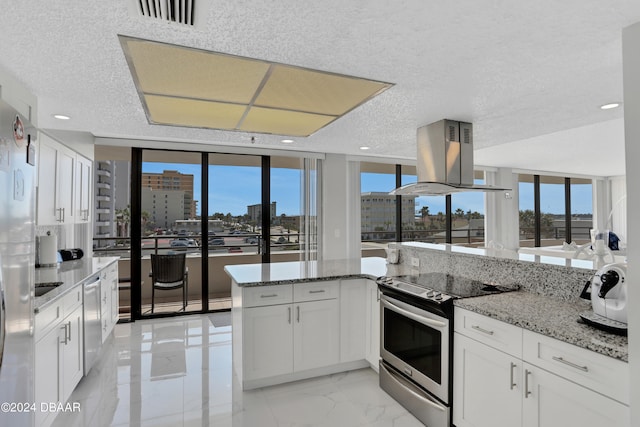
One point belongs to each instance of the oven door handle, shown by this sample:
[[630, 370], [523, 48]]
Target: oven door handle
[[411, 389], [424, 320]]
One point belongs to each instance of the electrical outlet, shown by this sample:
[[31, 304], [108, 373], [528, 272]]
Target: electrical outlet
[[415, 262]]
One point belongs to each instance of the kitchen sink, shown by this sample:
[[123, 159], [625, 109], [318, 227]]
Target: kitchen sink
[[45, 288]]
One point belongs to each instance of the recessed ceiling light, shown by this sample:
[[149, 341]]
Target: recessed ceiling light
[[287, 141], [364, 147], [61, 117], [610, 106]]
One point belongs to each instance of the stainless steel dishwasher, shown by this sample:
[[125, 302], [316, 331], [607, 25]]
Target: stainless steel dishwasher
[[92, 322]]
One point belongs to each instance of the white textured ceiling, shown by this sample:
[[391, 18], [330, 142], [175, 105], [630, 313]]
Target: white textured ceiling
[[517, 70]]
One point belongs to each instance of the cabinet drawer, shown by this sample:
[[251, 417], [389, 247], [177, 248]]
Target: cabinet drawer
[[71, 300], [595, 371], [314, 291], [47, 319], [499, 335], [258, 296]]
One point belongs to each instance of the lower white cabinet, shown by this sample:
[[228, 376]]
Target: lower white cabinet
[[504, 387], [285, 338], [58, 352], [109, 299], [353, 319], [372, 347]]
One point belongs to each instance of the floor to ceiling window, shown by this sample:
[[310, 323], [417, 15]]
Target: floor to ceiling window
[[554, 210], [429, 215], [378, 208], [467, 215]]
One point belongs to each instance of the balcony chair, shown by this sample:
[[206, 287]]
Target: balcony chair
[[169, 272]]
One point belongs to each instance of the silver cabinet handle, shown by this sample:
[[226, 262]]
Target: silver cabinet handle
[[269, 296], [69, 329], [65, 334], [526, 383], [289, 308], [483, 330], [317, 292], [298, 314], [513, 384], [573, 365], [63, 215]]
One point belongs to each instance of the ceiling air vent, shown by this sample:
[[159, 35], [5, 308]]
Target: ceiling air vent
[[179, 11]]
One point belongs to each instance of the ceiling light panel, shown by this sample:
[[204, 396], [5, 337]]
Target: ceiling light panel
[[193, 113], [189, 87], [267, 120], [299, 89], [189, 73]]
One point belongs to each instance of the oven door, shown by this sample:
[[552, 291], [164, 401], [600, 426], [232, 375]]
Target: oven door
[[416, 343]]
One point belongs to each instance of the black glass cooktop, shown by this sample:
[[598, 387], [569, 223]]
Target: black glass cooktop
[[456, 286]]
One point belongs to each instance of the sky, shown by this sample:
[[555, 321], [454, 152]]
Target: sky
[[233, 188]]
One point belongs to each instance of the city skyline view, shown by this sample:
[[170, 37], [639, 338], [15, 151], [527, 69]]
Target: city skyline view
[[233, 188]]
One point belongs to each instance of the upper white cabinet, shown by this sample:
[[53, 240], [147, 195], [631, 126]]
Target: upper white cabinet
[[504, 375], [82, 189], [56, 166], [64, 184]]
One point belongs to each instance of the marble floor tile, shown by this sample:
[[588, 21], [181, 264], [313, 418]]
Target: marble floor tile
[[178, 372]]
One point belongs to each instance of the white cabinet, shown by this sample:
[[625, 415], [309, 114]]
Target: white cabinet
[[487, 388], [552, 401], [82, 189], [506, 376], [316, 334], [353, 319], [372, 352], [59, 352], [289, 329], [56, 165], [109, 298], [268, 341]]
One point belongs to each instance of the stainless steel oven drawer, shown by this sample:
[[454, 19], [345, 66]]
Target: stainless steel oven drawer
[[421, 404]]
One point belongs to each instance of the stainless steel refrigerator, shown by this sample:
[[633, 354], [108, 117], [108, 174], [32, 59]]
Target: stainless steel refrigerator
[[17, 263]]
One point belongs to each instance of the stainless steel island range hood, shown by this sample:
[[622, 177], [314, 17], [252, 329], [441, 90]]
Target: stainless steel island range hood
[[445, 161]]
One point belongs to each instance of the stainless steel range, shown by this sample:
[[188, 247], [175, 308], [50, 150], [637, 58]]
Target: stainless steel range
[[416, 340]]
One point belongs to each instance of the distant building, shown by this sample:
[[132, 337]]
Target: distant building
[[165, 207], [255, 213], [379, 211], [173, 180], [111, 189]]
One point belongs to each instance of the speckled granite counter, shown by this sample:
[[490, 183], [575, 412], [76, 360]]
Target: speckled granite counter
[[548, 316], [309, 271], [67, 276]]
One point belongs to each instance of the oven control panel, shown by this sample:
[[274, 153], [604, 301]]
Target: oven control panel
[[422, 292]]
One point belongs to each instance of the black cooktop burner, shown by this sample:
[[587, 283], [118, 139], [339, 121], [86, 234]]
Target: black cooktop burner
[[440, 288], [456, 286]]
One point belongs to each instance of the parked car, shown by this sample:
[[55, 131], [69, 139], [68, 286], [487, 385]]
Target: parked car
[[235, 250], [251, 240]]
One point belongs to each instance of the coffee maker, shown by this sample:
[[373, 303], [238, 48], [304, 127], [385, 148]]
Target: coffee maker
[[608, 297]]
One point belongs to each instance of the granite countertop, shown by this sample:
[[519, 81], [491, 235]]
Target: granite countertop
[[550, 317], [66, 276], [309, 271]]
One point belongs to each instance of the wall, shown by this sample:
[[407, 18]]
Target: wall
[[631, 85]]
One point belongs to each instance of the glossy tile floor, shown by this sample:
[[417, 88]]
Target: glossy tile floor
[[177, 372]]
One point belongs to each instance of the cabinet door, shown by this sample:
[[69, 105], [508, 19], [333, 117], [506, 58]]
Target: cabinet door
[[373, 324], [267, 341], [47, 373], [65, 167], [316, 334], [487, 386], [553, 401], [83, 190], [72, 353], [47, 160], [353, 319]]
